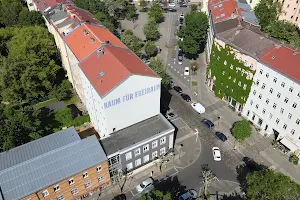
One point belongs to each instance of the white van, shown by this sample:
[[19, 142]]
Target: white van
[[198, 107]]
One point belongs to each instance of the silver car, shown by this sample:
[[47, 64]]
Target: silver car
[[145, 185]]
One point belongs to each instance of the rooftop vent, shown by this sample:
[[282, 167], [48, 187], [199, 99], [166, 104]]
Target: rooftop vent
[[273, 57], [101, 74], [295, 53], [277, 46], [85, 32], [92, 40]]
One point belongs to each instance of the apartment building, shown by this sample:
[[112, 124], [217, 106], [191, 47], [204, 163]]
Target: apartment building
[[59, 166], [274, 99]]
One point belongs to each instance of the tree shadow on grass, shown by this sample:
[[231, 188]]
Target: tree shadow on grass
[[172, 185], [231, 197], [48, 122]]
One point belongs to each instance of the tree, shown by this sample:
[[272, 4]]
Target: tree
[[157, 195], [115, 7], [157, 66], [133, 42], [28, 18], [131, 12], [105, 20], [62, 91], [194, 66], [9, 13], [266, 184], [64, 116], [143, 3], [241, 130], [267, 11], [150, 48], [194, 33], [151, 30], [194, 7], [155, 12]]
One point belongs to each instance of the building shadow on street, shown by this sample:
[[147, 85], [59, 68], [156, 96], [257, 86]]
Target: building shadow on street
[[172, 185]]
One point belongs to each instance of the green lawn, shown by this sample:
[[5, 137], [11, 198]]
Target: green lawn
[[44, 103], [73, 100]]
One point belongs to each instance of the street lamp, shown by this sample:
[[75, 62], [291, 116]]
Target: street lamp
[[219, 122]]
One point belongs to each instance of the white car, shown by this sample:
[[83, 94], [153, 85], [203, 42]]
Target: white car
[[216, 153], [191, 194], [181, 16], [145, 185], [172, 4], [186, 71]]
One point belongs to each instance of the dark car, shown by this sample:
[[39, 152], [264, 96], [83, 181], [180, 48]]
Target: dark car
[[181, 20], [221, 136], [120, 197], [186, 97], [177, 89], [180, 56], [208, 123], [183, 4], [169, 9]]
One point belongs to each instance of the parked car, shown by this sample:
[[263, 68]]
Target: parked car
[[120, 197], [208, 123], [181, 16], [177, 89], [170, 115], [180, 56], [221, 136], [186, 97], [198, 107], [145, 185], [179, 27], [216, 153], [191, 194], [186, 71], [181, 20], [183, 4], [169, 9], [172, 4]]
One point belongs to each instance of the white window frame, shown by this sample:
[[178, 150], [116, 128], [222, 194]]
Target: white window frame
[[137, 162], [145, 148], [45, 193], [71, 181], [256, 106], [146, 158], [271, 90], [284, 126], [162, 151], [267, 101], [128, 156], [154, 154], [163, 140], [101, 178], [275, 80], [290, 115], [281, 110], [74, 191], [297, 121], [277, 121], [99, 168], [294, 105], [85, 175], [137, 152], [56, 188], [292, 131], [60, 197], [87, 184], [129, 166], [154, 144]]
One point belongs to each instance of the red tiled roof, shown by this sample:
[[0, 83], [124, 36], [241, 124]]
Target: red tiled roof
[[284, 60], [81, 15], [44, 4], [222, 9], [87, 38], [116, 64]]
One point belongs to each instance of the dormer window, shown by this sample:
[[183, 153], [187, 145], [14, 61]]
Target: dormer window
[[92, 40]]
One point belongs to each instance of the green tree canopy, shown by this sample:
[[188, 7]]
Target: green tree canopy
[[241, 130], [150, 48], [155, 12], [157, 66], [267, 11], [151, 30], [194, 33], [28, 18], [105, 20], [131, 12], [156, 195], [116, 8], [133, 42], [266, 184], [9, 13]]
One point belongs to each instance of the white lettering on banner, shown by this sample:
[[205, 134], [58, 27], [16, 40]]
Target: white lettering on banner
[[131, 96]]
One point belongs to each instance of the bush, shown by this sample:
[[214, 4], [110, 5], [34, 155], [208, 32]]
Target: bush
[[78, 121], [64, 117], [194, 83], [241, 130], [294, 159]]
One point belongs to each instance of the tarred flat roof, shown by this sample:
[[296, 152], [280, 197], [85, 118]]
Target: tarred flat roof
[[284, 60], [109, 66]]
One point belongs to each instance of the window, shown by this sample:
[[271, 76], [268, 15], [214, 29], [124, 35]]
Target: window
[[267, 101], [281, 110], [56, 188], [251, 102], [263, 86], [286, 100], [74, 191], [88, 184], [71, 181], [298, 94], [292, 131], [138, 162], [45, 193], [277, 121], [275, 80], [284, 126], [146, 148], [260, 96], [137, 152], [60, 197], [146, 159], [294, 105], [100, 179], [256, 106], [154, 154], [264, 111], [129, 166], [298, 121], [267, 75], [291, 89], [254, 92], [128, 156], [292, 17], [257, 82], [270, 116], [278, 95], [271, 90], [261, 71], [162, 140], [289, 115], [85, 175], [154, 144], [274, 105], [282, 84], [162, 151], [288, 6], [99, 168]]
